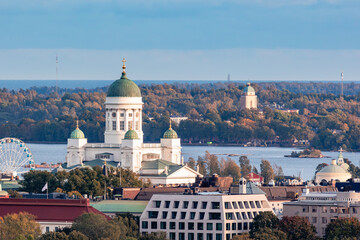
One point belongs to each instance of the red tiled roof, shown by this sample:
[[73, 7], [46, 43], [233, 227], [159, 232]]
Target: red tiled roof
[[255, 177], [51, 210]]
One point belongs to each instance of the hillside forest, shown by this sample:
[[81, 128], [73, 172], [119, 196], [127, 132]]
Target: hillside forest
[[326, 120]]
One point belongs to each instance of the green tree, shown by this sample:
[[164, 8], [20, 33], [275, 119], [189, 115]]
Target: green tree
[[154, 236], [19, 226], [266, 171], [320, 166], [269, 234], [54, 236], [264, 220], [213, 163], [343, 228], [75, 235], [297, 228], [201, 165], [34, 181], [245, 165]]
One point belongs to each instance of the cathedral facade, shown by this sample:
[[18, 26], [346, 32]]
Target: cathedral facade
[[123, 145]]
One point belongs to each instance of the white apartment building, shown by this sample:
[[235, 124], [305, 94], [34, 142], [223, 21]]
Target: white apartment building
[[204, 215], [322, 208]]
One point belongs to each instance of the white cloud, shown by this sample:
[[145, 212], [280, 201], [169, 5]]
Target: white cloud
[[242, 64]]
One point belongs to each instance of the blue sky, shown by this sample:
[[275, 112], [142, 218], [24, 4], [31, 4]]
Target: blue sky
[[180, 39]]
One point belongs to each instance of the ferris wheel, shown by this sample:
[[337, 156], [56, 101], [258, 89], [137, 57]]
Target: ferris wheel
[[15, 157]]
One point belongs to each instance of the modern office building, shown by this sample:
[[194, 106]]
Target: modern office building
[[204, 215], [322, 208]]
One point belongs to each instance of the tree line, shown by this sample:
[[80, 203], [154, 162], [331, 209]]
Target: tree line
[[213, 110]]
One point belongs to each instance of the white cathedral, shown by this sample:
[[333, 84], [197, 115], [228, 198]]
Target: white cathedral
[[162, 162]]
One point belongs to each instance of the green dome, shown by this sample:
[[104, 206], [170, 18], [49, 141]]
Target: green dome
[[248, 88], [170, 133], [131, 134], [123, 87], [77, 134], [333, 169]]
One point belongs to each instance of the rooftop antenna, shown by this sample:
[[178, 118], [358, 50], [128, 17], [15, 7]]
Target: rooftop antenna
[[228, 77], [342, 86], [57, 61]]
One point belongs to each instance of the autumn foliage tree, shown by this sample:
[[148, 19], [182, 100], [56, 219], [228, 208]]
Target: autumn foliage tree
[[19, 226], [343, 228]]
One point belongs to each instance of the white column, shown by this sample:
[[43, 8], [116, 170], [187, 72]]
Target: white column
[[140, 120], [126, 120], [133, 113]]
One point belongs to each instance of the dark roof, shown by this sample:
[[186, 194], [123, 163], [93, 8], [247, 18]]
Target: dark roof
[[48, 209], [282, 192]]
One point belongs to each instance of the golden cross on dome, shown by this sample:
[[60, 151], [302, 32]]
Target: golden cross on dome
[[124, 67]]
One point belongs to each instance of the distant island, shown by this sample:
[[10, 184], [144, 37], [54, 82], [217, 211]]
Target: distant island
[[307, 153]]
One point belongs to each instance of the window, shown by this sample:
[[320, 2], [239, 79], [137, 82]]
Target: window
[[200, 236], [203, 205], [114, 125], [209, 236], [136, 125], [235, 206], [228, 236], [173, 215], [164, 215], [172, 225], [181, 236], [252, 204], [192, 215], [130, 114], [241, 205], [162, 225], [144, 225], [153, 214], [209, 226], [181, 225], [200, 226], [255, 214], [202, 215], [218, 226], [191, 236], [244, 215], [228, 226], [130, 126], [215, 205], [324, 220], [305, 209], [114, 114], [218, 236], [176, 204], [227, 205], [186, 204], [239, 226], [314, 220], [246, 204], [250, 215], [157, 204], [229, 216], [167, 204], [172, 236], [191, 226], [183, 215], [233, 226], [122, 125], [47, 229], [245, 226], [313, 209], [258, 205], [215, 216], [153, 225], [238, 216], [194, 205], [121, 114]]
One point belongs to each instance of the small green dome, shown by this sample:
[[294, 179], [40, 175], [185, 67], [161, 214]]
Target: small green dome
[[249, 88], [123, 87], [131, 134], [77, 134], [170, 133], [333, 169]]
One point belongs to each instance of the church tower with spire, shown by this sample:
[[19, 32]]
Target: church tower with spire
[[171, 146]]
